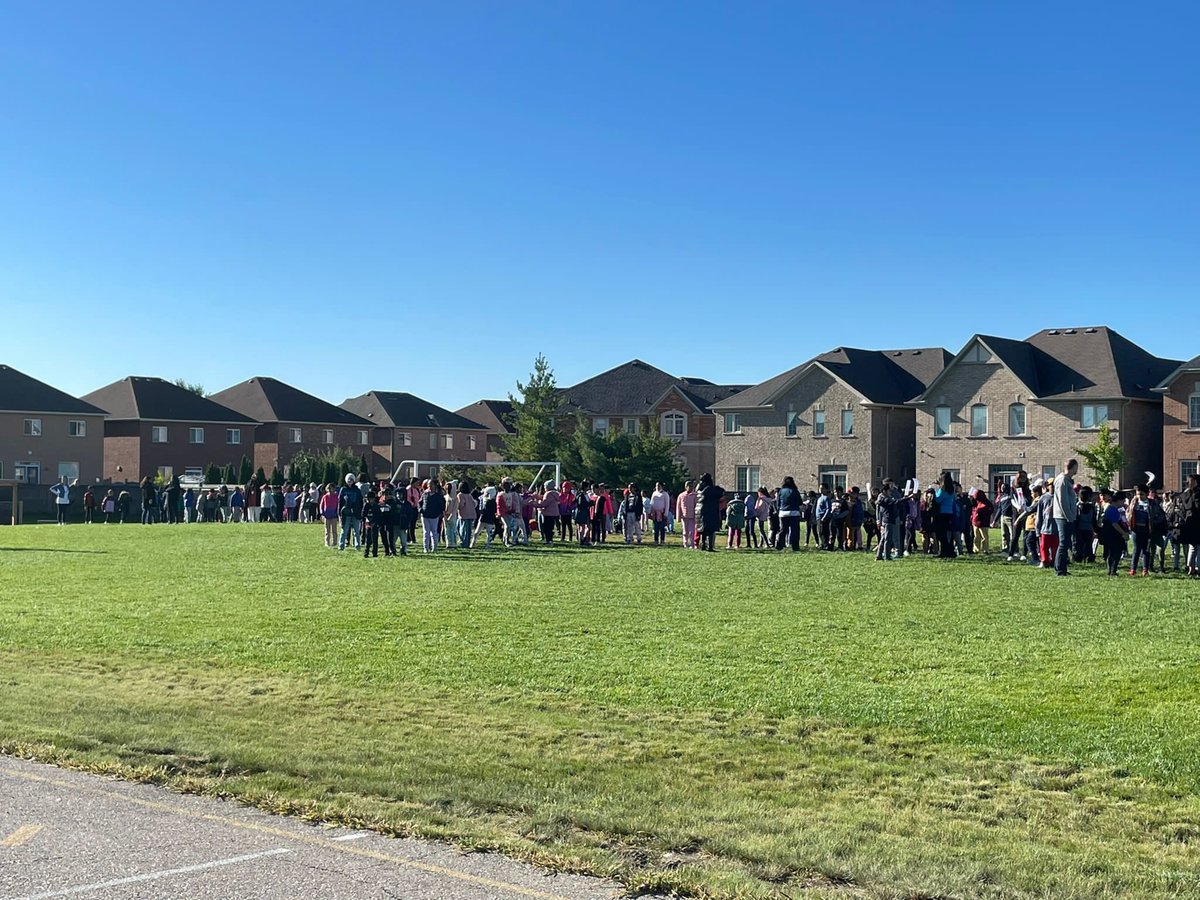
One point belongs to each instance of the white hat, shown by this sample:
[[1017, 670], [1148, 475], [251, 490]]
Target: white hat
[[349, 479]]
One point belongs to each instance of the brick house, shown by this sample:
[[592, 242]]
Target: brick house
[[156, 427], [494, 415], [408, 427], [636, 396], [839, 419], [46, 433], [1181, 423], [1003, 405], [292, 421]]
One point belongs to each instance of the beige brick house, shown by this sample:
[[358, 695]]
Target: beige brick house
[[1003, 405], [636, 396], [840, 419], [1181, 423]]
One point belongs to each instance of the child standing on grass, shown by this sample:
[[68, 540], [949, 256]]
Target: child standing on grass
[[1112, 531], [487, 515], [583, 514], [109, 507], [1139, 520], [386, 519], [329, 513], [370, 521], [735, 521]]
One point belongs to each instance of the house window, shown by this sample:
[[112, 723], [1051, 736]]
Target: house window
[[674, 425], [158, 434], [1194, 411], [747, 479], [955, 475], [979, 420], [1186, 468], [941, 421], [326, 435], [819, 423], [233, 435], [471, 441], [977, 355], [432, 440], [1049, 472], [793, 423], [847, 422], [406, 439], [833, 477], [447, 442], [195, 435], [1016, 419], [295, 435], [27, 472], [68, 470], [600, 427], [166, 473], [733, 423], [76, 428], [631, 426], [33, 427], [362, 437], [1093, 415]]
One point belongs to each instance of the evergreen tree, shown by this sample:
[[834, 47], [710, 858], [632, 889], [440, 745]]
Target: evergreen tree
[[535, 434], [260, 476], [245, 471], [229, 475], [276, 478], [212, 475]]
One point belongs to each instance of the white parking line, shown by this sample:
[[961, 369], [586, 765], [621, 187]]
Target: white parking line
[[351, 837], [153, 876]]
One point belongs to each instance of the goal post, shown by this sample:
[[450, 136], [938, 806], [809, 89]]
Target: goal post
[[414, 465]]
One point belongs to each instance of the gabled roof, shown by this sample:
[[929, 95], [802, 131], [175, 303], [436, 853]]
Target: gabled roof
[[144, 397], [21, 393], [1191, 366], [1089, 363], [400, 410], [635, 388], [491, 414], [270, 400], [884, 377]]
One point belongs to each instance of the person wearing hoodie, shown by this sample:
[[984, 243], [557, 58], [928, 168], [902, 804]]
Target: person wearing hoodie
[[659, 510], [735, 522], [487, 514], [433, 507], [789, 502], [686, 513], [468, 512], [708, 512], [548, 511]]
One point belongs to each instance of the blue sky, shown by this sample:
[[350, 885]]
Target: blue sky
[[422, 197]]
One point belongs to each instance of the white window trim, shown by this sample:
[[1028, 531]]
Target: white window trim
[[156, 430], [1024, 420], [80, 430], [1193, 426], [296, 435], [949, 420], [736, 418], [194, 433], [987, 417], [231, 433], [32, 427], [1094, 407], [819, 416], [842, 423]]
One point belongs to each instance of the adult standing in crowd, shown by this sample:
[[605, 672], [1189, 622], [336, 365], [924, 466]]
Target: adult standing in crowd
[[1066, 510], [660, 508], [790, 502], [350, 503], [433, 507], [62, 499], [1189, 523], [149, 501], [945, 497], [686, 513], [708, 512]]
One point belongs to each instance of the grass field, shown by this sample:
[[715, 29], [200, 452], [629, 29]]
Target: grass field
[[723, 725]]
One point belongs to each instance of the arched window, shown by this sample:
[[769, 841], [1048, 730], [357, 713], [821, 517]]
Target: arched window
[[979, 420], [1016, 419]]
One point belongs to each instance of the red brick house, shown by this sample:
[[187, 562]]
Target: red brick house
[[494, 415], [1181, 423], [293, 421], [409, 428], [636, 396], [46, 433], [154, 427]]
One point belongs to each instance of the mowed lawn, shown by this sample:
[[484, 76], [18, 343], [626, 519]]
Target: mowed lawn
[[724, 725]]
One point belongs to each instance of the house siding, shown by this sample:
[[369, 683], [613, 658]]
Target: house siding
[[53, 446], [130, 454], [1180, 444]]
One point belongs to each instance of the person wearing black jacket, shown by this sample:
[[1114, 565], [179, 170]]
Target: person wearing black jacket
[[708, 512], [1188, 504], [386, 519], [370, 519], [789, 501]]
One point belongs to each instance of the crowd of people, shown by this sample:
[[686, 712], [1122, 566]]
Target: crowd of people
[[1043, 523]]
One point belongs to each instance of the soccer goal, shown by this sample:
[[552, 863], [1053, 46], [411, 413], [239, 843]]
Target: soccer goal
[[413, 466]]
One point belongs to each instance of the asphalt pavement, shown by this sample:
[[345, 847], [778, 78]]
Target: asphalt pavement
[[73, 834]]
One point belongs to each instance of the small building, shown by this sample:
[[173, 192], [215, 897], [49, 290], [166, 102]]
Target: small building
[[495, 416], [292, 421], [1003, 405], [636, 396], [155, 427], [1181, 424], [46, 434], [840, 419], [410, 428]]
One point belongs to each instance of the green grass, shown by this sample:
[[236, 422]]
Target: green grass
[[732, 724]]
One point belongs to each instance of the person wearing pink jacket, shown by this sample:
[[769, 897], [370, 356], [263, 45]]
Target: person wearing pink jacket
[[686, 512]]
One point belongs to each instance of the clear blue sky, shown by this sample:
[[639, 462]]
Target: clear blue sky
[[422, 196]]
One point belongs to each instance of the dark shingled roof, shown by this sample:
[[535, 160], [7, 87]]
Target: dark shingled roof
[[143, 397], [20, 393], [890, 377], [270, 400], [634, 387], [1192, 366], [401, 410], [491, 414], [1089, 363]]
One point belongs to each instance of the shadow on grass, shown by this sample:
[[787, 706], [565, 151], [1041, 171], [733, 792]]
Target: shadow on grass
[[46, 550]]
